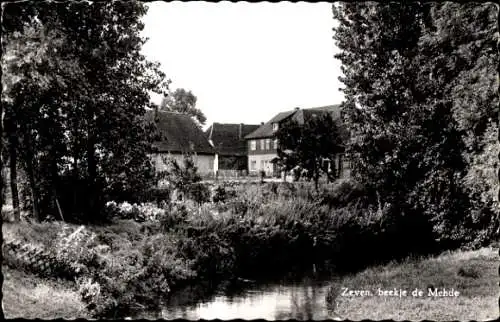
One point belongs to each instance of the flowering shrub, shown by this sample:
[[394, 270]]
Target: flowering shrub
[[138, 212], [148, 212], [76, 249], [135, 276]]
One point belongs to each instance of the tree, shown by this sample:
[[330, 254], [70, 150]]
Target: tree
[[85, 120], [186, 178], [183, 101], [308, 145], [26, 46], [460, 51], [182, 176], [405, 143]]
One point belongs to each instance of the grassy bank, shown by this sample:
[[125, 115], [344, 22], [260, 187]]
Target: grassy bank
[[31, 297], [474, 274]]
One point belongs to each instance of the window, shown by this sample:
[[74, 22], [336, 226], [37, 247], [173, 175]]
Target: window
[[253, 164], [276, 144], [268, 144], [275, 127], [253, 145], [262, 143]]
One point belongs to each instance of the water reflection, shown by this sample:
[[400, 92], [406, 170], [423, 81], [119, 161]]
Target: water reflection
[[302, 300]]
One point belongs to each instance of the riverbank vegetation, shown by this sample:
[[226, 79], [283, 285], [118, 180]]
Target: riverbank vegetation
[[471, 273], [132, 262]]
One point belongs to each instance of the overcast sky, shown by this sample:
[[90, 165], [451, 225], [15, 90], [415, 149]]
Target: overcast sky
[[246, 62]]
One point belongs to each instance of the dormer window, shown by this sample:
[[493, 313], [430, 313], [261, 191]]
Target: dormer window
[[275, 127]]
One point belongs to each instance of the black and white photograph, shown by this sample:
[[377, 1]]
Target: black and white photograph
[[236, 160]]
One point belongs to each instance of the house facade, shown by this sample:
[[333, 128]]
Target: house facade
[[262, 144], [228, 141], [177, 136]]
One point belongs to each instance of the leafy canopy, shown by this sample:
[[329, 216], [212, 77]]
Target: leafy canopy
[[308, 145]]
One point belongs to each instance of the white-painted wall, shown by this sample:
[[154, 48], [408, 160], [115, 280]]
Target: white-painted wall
[[263, 162], [205, 163]]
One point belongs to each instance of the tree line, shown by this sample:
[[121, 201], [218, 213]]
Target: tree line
[[75, 89]]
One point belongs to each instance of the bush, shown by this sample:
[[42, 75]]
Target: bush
[[77, 249], [221, 194], [199, 192], [211, 255], [132, 274], [174, 215], [145, 273]]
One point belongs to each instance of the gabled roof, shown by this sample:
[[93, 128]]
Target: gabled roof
[[266, 130], [228, 139], [179, 133], [283, 115]]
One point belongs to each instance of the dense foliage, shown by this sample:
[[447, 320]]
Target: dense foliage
[[407, 69], [76, 78], [307, 146]]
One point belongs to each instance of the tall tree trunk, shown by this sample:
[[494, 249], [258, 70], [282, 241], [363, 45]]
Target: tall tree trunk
[[55, 182], [34, 189], [92, 174], [76, 186], [30, 172], [13, 177]]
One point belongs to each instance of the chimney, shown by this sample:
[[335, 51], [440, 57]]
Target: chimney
[[240, 131]]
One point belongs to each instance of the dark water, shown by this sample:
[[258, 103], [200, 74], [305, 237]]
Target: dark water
[[301, 297]]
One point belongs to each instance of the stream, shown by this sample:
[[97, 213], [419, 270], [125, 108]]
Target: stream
[[300, 297]]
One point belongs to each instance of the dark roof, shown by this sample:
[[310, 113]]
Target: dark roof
[[334, 110], [228, 139], [283, 115], [179, 133], [266, 130]]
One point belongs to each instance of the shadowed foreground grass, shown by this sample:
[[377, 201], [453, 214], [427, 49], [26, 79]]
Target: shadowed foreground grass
[[472, 273], [30, 297]]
